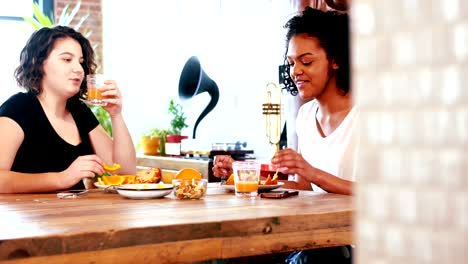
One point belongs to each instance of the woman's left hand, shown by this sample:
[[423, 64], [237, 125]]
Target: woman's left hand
[[291, 162], [113, 97]]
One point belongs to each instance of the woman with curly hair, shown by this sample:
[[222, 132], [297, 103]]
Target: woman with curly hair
[[50, 139]]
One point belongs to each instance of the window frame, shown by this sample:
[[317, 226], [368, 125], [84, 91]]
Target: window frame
[[47, 7]]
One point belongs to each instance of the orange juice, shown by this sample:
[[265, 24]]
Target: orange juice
[[94, 93], [246, 187]]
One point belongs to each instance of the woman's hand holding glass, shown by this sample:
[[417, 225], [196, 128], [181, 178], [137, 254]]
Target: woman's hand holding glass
[[113, 98]]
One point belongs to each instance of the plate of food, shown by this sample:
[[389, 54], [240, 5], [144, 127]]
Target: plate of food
[[108, 182], [261, 187], [144, 190]]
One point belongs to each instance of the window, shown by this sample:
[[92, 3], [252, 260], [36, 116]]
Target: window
[[15, 32]]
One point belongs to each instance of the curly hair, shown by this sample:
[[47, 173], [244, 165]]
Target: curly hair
[[29, 73], [332, 31]]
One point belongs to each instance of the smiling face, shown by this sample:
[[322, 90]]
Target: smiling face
[[63, 70], [309, 67]]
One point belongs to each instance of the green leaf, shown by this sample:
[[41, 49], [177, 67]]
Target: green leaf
[[77, 26], [74, 11], [103, 117], [41, 17], [33, 22], [63, 16], [178, 121]]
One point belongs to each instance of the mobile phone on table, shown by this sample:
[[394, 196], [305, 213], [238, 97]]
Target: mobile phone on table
[[278, 194]]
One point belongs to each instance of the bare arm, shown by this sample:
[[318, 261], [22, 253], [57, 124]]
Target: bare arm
[[292, 162], [118, 149], [15, 182]]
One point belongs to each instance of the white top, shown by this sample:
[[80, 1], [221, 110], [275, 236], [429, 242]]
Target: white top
[[336, 153]]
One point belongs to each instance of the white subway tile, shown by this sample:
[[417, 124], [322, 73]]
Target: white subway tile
[[394, 243], [451, 169], [422, 167], [365, 53], [377, 204], [450, 9], [406, 130], [460, 41], [423, 40], [403, 49], [441, 45], [407, 207], [385, 13], [461, 126], [451, 88], [425, 86], [461, 211], [432, 208], [364, 19], [369, 236], [390, 165]]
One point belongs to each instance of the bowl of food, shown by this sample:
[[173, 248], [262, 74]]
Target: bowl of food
[[189, 188]]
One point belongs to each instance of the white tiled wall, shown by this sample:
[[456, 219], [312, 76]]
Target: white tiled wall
[[410, 75]]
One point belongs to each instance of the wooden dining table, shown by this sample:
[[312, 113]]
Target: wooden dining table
[[102, 227]]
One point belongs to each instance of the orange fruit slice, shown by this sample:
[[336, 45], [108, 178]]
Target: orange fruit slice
[[268, 180], [188, 174], [111, 168], [230, 180], [113, 180], [274, 180]]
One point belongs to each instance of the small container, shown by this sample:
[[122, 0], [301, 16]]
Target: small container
[[190, 189]]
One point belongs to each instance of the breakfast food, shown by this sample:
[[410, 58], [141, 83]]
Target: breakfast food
[[116, 179], [188, 184], [268, 181], [230, 180], [111, 168], [188, 174], [151, 175], [111, 180], [189, 189]]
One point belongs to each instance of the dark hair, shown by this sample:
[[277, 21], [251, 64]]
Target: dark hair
[[332, 31], [29, 73]]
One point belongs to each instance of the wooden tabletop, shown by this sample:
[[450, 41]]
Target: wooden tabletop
[[105, 227]]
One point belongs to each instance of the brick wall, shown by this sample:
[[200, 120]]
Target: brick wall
[[410, 75], [93, 22]]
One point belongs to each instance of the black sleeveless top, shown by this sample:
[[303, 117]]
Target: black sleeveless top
[[43, 150]]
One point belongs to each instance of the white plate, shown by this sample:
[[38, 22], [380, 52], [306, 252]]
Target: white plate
[[260, 187], [145, 190], [107, 188]]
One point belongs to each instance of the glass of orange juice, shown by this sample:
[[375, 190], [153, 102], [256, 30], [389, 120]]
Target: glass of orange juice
[[95, 82], [246, 177]]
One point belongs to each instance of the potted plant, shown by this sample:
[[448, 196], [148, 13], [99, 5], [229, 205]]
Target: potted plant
[[153, 142], [174, 137]]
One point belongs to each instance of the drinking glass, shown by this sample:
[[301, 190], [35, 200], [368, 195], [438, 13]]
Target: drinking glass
[[95, 82], [246, 177]]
